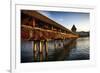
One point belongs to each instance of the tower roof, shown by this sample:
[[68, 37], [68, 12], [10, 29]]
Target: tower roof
[[73, 27]]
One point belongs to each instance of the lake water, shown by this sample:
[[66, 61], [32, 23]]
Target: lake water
[[70, 49]]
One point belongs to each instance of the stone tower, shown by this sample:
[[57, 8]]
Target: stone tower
[[73, 28]]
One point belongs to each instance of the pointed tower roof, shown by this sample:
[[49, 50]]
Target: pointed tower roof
[[73, 28]]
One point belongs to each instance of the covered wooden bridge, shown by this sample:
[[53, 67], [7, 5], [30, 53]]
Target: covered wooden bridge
[[37, 27]]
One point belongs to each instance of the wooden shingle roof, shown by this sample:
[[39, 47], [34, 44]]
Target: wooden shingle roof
[[44, 18]]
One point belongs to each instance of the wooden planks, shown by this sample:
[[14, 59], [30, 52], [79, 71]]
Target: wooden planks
[[29, 33]]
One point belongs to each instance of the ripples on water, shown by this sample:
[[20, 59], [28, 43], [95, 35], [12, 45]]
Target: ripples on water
[[75, 50], [81, 51]]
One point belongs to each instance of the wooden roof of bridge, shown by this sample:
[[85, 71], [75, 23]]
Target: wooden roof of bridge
[[44, 18]]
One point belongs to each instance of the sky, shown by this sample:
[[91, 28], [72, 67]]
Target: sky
[[68, 19]]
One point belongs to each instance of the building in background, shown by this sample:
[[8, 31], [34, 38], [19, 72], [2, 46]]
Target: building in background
[[73, 28]]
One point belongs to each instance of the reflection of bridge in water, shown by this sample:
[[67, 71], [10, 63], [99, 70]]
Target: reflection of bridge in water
[[39, 29]]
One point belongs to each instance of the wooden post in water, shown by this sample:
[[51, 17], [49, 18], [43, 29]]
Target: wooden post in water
[[41, 57], [40, 50], [35, 48], [55, 44], [60, 45], [46, 47], [63, 41], [41, 46]]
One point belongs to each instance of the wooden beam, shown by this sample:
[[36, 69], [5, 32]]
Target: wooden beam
[[34, 22], [43, 34]]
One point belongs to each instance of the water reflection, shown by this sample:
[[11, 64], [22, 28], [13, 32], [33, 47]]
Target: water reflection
[[61, 53], [82, 51], [58, 50]]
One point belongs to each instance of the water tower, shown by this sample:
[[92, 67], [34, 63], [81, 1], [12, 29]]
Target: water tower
[[73, 28]]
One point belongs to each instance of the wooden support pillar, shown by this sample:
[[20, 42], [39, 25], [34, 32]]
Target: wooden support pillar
[[35, 57], [41, 46], [34, 51], [46, 47], [63, 41], [41, 57], [30, 34], [34, 23], [54, 44], [35, 48], [57, 44], [60, 43]]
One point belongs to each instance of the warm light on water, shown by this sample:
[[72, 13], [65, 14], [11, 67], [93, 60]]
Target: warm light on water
[[77, 50]]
